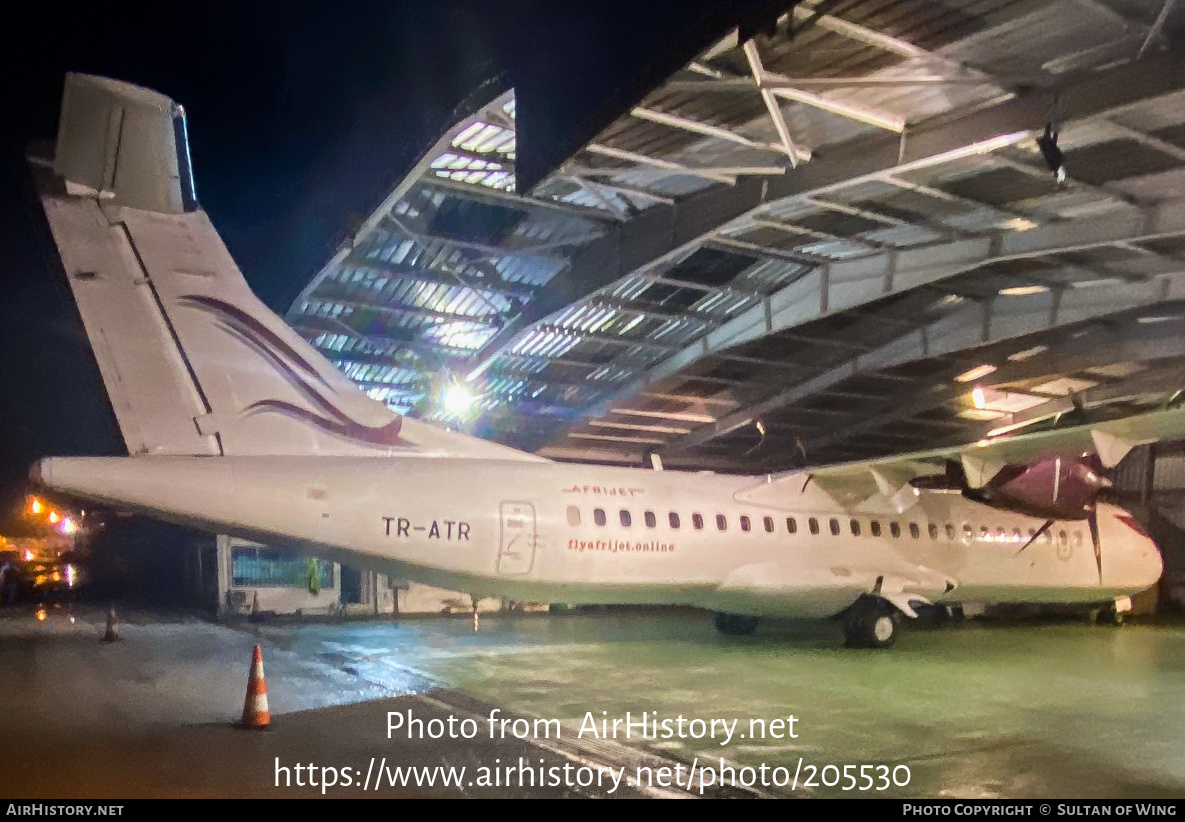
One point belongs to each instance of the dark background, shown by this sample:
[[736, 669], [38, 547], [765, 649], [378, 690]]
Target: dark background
[[301, 116]]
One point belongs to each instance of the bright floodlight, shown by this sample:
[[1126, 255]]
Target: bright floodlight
[[458, 400], [68, 526]]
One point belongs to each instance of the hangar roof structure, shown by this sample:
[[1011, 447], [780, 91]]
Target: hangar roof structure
[[842, 238]]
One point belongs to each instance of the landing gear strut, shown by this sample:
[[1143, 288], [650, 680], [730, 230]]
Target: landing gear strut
[[736, 624], [871, 623]]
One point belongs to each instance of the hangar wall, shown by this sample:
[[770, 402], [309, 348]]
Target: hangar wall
[[231, 577], [1150, 482]]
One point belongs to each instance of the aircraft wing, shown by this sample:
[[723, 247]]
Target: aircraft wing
[[853, 482]]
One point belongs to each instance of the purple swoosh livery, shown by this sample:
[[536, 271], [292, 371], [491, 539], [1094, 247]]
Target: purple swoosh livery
[[279, 353]]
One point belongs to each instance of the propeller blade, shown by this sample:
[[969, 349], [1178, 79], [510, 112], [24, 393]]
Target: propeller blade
[[1034, 537], [1093, 519]]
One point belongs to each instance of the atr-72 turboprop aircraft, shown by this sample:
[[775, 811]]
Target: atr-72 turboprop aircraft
[[236, 425]]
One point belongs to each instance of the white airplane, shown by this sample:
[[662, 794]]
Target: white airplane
[[237, 425]]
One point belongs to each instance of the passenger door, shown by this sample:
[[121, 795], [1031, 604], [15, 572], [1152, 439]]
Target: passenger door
[[516, 543]]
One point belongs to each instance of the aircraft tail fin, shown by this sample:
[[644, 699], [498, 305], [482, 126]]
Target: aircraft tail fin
[[194, 363]]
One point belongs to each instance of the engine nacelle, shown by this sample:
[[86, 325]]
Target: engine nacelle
[[1059, 488]]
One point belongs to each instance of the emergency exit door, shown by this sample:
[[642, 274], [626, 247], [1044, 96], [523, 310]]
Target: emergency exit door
[[516, 545]]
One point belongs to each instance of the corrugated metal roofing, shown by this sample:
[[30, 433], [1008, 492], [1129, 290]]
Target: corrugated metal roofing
[[841, 326]]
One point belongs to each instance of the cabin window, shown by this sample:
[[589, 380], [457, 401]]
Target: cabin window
[[599, 516], [1062, 539], [626, 519], [834, 526], [1032, 533], [1016, 536], [950, 531], [721, 522], [768, 522], [573, 515], [985, 533], [813, 525], [875, 527], [673, 519], [746, 525], [1001, 536], [697, 522], [791, 525], [651, 520], [1048, 537], [895, 529], [967, 532], [915, 531], [855, 525], [1077, 539], [933, 529]]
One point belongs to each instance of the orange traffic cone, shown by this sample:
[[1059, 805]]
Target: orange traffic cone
[[255, 712], [111, 635]]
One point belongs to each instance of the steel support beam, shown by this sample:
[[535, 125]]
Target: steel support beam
[[846, 285], [310, 327], [969, 326], [512, 200], [665, 232], [449, 278], [398, 310]]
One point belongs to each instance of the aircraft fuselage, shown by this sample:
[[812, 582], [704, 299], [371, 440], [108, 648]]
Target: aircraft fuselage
[[578, 533]]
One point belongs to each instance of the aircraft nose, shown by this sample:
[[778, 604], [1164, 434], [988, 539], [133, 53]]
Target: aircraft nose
[[1154, 563]]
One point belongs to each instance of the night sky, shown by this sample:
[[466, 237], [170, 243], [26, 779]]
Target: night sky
[[301, 115]]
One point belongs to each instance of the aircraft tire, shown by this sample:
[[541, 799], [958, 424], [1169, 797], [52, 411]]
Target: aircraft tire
[[736, 624], [871, 623], [1109, 616]]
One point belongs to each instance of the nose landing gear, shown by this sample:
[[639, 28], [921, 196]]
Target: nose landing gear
[[1116, 612]]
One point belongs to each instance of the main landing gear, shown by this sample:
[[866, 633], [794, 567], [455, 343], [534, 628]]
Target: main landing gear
[[473, 600], [736, 624], [871, 623]]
